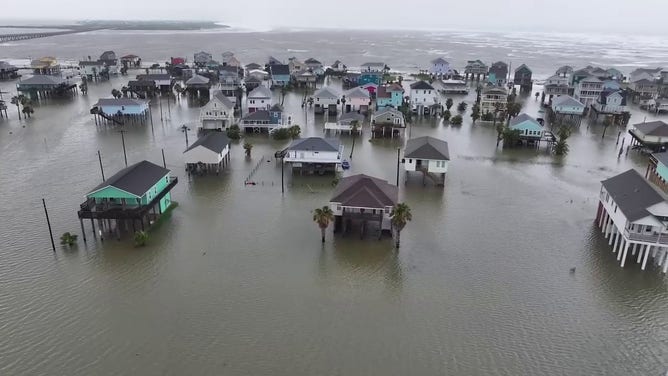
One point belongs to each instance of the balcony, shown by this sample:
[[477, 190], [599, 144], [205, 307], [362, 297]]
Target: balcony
[[652, 237], [95, 210]]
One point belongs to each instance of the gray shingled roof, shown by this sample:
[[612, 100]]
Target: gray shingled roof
[[422, 85], [661, 157], [136, 179], [427, 148], [260, 92], [566, 100], [365, 191], [521, 118], [261, 115], [315, 144], [439, 60], [280, 69], [214, 141], [327, 92], [357, 92], [653, 128], [223, 99], [632, 194], [198, 80], [42, 79], [252, 66], [351, 116]]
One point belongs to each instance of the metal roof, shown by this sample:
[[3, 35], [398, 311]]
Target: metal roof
[[327, 92], [260, 92], [120, 102], [422, 85]]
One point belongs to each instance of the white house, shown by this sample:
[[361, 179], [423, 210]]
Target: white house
[[556, 85], [422, 95], [211, 149], [454, 87], [611, 102], [326, 99], [314, 154], [357, 99], [122, 106], [490, 96], [202, 58], [441, 67], [428, 155], [218, 113], [91, 69], [363, 198], [587, 90], [314, 66], [634, 216], [338, 67], [259, 99]]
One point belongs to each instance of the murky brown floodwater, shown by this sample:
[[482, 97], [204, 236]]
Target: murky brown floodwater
[[236, 282]]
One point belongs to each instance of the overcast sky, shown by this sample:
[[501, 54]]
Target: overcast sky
[[642, 16]]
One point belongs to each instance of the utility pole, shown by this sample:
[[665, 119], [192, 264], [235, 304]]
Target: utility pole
[[125, 156], [398, 160], [282, 179], [185, 129], [99, 157], [48, 223], [164, 163]]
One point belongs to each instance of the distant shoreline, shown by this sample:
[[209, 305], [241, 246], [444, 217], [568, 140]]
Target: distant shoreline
[[128, 25]]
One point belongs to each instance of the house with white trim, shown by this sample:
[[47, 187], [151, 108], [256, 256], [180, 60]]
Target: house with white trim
[[218, 113], [633, 215], [314, 154], [259, 99], [326, 99]]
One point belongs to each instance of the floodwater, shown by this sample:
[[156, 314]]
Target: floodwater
[[236, 281]]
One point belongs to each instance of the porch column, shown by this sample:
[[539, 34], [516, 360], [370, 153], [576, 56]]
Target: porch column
[[607, 226], [654, 251], [665, 262], [626, 248], [642, 248], [644, 260], [602, 217], [617, 235], [613, 231], [662, 256], [621, 245], [633, 253]]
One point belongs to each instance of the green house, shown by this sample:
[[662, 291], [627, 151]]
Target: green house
[[143, 184], [529, 128]]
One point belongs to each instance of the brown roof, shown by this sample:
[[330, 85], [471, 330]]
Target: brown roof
[[365, 191]]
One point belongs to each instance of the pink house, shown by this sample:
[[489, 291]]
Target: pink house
[[357, 99]]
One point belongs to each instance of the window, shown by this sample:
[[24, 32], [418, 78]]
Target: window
[[410, 161]]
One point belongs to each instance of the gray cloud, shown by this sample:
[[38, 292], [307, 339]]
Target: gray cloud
[[566, 15]]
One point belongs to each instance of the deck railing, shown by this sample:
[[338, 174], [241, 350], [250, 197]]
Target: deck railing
[[647, 238]]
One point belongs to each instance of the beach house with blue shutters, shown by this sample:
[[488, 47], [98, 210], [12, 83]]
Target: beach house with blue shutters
[[498, 74], [529, 128]]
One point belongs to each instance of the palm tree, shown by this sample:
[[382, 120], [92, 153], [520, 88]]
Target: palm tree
[[537, 95], [322, 216], [400, 215], [248, 147], [16, 100], [497, 109], [475, 113], [461, 107], [343, 104], [26, 103], [448, 103]]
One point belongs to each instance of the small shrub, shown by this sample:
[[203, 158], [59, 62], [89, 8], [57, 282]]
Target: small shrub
[[234, 132], [141, 238], [281, 134], [456, 120], [68, 239]]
